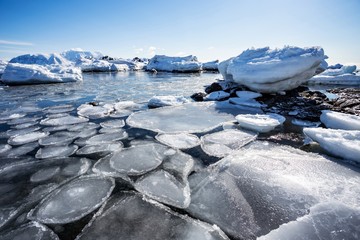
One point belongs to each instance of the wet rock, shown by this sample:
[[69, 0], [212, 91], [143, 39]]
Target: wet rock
[[213, 88], [198, 97], [347, 101]]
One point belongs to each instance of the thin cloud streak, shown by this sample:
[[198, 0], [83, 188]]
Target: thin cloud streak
[[5, 42]]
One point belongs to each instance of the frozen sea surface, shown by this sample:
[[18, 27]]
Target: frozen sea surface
[[92, 172]]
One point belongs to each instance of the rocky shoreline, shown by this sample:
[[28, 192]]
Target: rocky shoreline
[[300, 102]]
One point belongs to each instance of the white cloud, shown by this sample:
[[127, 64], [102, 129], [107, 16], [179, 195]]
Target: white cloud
[[181, 54], [5, 42], [152, 50], [138, 50], [211, 48]]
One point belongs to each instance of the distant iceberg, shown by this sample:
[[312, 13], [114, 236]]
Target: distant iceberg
[[77, 54], [265, 70], [41, 59], [337, 75], [174, 64], [88, 65], [134, 64], [18, 74]]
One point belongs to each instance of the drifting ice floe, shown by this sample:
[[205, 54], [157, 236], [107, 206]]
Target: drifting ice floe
[[18, 121], [67, 120], [27, 138], [222, 143], [73, 200], [260, 122], [216, 199], [16, 74], [58, 109], [210, 66], [20, 151], [163, 187], [341, 143], [56, 151], [246, 102], [102, 167], [153, 221], [82, 126], [174, 64], [44, 174], [339, 120], [24, 125], [325, 221], [179, 164], [6, 116], [113, 124], [178, 119], [266, 70], [94, 112], [217, 95], [104, 138], [100, 150], [32, 230], [241, 191], [4, 148], [161, 101], [178, 140], [28, 181], [58, 138], [138, 160], [248, 94]]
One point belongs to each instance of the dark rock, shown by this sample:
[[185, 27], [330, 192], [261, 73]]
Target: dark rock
[[198, 97], [213, 88], [348, 100]]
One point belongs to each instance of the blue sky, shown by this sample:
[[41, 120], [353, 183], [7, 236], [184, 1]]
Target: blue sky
[[209, 29]]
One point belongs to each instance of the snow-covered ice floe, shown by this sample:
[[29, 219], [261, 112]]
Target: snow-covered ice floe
[[266, 70], [263, 179], [17, 74], [260, 122], [161, 101], [210, 66], [344, 75], [217, 95], [189, 117], [73, 200], [151, 221], [174, 64], [340, 143], [339, 120]]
